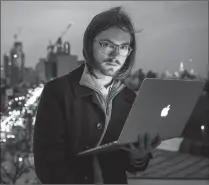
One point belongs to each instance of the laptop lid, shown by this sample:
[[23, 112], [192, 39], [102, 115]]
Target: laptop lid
[[162, 106]]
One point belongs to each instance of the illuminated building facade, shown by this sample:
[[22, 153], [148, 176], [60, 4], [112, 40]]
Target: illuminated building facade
[[14, 62]]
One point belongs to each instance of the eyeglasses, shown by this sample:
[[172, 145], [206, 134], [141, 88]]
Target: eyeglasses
[[108, 47]]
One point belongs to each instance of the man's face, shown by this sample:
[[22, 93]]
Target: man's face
[[109, 63]]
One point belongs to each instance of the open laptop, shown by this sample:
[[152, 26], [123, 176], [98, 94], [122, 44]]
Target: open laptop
[[162, 106]]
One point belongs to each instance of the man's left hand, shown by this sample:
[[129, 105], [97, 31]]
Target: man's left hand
[[143, 147]]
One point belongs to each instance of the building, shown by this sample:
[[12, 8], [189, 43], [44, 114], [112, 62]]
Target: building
[[4, 81], [65, 64], [30, 76], [40, 70], [14, 63], [3, 95], [18, 63], [7, 67], [60, 62], [2, 71], [208, 70]]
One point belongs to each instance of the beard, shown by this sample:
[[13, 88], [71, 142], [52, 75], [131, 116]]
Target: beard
[[109, 72], [107, 67]]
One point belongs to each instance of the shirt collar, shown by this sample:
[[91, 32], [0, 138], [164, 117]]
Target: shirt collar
[[87, 79], [83, 84]]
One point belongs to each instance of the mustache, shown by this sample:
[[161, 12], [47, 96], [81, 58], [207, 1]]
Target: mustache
[[110, 60]]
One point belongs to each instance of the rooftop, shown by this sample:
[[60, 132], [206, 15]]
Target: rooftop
[[175, 165]]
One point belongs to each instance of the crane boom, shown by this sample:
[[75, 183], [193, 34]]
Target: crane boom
[[65, 31], [59, 39]]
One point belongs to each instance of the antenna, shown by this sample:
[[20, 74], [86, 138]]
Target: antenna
[[16, 35]]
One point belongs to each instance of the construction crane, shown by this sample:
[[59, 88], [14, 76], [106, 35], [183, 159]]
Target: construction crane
[[58, 42]]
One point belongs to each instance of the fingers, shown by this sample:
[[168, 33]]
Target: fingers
[[157, 142], [131, 145], [148, 144], [141, 142], [128, 147], [144, 143]]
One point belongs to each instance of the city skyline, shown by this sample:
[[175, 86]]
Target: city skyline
[[172, 31]]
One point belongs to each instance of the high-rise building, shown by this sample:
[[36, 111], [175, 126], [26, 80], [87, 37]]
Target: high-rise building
[[18, 63], [61, 62], [3, 96], [7, 67], [2, 71], [30, 76], [40, 70], [65, 64], [14, 62]]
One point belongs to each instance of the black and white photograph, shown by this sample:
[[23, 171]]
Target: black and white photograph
[[104, 92]]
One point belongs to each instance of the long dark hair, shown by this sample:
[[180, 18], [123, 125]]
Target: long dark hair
[[113, 17]]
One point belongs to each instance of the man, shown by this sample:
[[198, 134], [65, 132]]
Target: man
[[88, 107]]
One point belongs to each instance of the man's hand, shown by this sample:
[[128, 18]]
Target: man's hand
[[143, 147]]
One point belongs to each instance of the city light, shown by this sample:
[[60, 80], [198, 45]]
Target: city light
[[30, 111], [15, 55], [168, 74], [3, 135], [16, 113], [35, 94], [20, 122], [20, 159], [15, 117], [202, 127], [176, 74], [10, 136], [7, 128], [34, 120], [30, 91], [181, 68], [192, 71]]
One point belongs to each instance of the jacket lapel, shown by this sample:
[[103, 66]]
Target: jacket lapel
[[79, 90]]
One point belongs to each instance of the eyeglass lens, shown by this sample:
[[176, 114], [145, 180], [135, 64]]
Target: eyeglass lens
[[108, 48]]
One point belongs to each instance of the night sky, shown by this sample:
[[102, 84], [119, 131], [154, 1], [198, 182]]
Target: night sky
[[173, 31]]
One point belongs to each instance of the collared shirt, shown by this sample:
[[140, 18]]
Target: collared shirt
[[104, 96]]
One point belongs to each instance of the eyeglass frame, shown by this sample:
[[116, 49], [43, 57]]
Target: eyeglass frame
[[115, 46]]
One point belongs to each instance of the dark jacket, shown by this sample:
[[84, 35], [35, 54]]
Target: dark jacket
[[67, 123]]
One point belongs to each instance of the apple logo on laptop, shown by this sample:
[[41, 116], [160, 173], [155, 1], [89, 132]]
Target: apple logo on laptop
[[165, 110]]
